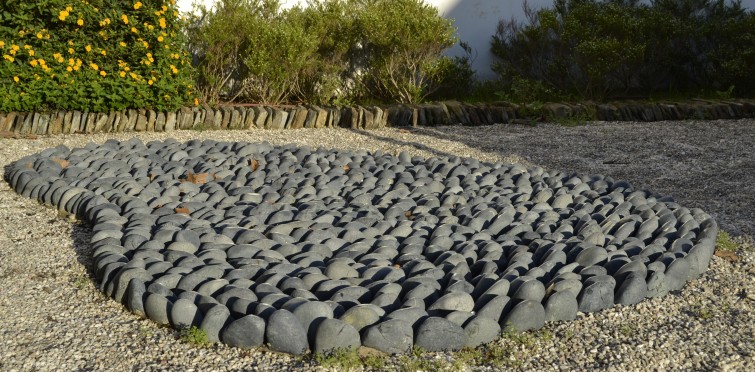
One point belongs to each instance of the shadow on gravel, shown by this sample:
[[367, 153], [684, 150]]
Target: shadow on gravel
[[702, 164], [394, 141]]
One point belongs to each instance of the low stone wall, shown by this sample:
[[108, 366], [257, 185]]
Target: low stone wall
[[364, 117]]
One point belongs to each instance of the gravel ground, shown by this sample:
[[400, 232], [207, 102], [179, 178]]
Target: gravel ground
[[53, 318]]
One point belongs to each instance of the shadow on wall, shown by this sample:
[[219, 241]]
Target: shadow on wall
[[476, 22]]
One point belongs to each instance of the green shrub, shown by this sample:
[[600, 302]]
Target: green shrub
[[402, 42], [597, 49], [93, 55], [331, 51]]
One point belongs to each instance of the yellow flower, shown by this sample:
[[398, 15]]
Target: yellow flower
[[15, 78], [124, 18], [27, 46], [33, 63], [2, 44], [39, 35], [31, 52], [160, 39], [14, 47], [80, 22], [41, 61], [69, 69], [71, 61], [150, 82], [76, 68], [134, 76], [56, 56], [103, 73], [134, 30], [94, 66], [88, 48], [196, 101], [9, 58], [71, 51], [162, 22], [103, 52], [137, 5], [122, 74], [122, 44], [62, 15]]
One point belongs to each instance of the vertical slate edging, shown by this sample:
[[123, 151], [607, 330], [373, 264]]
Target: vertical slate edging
[[364, 117]]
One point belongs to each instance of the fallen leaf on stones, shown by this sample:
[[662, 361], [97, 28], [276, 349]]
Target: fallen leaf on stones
[[152, 177], [62, 162], [198, 178], [409, 215], [31, 136], [404, 131], [183, 210], [254, 163], [727, 255], [346, 168]]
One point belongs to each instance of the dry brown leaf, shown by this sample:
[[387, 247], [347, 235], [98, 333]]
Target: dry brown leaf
[[346, 168], [404, 131], [152, 177], [198, 178], [254, 163], [727, 255], [183, 210], [62, 162], [409, 215]]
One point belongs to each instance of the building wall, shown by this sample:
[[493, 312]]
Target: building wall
[[476, 21]]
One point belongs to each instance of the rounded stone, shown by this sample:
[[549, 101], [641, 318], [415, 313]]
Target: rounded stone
[[334, 334], [246, 332], [439, 334], [285, 333]]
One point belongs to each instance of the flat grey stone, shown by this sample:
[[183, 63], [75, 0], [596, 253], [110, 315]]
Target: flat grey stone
[[185, 314], [215, 319], [597, 294], [454, 301], [524, 316], [481, 330], [393, 336], [561, 306], [334, 334], [285, 333], [245, 332]]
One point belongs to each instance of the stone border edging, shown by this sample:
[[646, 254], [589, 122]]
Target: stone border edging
[[364, 117]]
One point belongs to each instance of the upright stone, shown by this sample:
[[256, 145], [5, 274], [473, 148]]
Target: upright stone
[[160, 122], [7, 123], [278, 120], [56, 126], [299, 117], [227, 112], [260, 117], [141, 121], [368, 119], [236, 119], [44, 122], [151, 118], [209, 116], [309, 122], [249, 118], [75, 122], [170, 121]]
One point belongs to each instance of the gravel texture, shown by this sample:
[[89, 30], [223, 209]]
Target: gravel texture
[[70, 325]]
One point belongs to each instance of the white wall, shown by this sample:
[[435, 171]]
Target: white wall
[[476, 21]]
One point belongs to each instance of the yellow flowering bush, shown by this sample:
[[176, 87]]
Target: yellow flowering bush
[[96, 55]]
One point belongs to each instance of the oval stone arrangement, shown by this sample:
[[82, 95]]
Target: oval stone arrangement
[[314, 249]]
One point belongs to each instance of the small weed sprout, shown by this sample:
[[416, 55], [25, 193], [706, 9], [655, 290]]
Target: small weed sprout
[[724, 243], [195, 336]]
